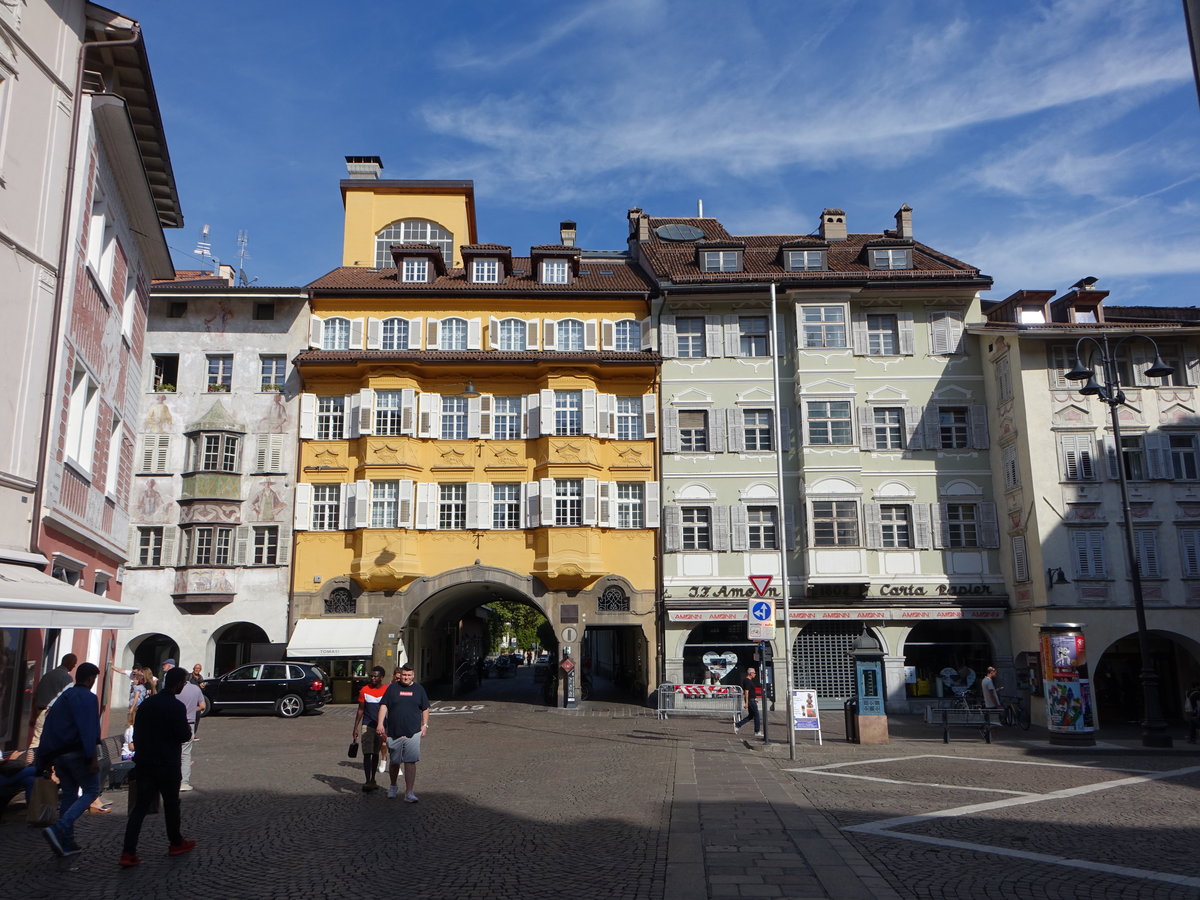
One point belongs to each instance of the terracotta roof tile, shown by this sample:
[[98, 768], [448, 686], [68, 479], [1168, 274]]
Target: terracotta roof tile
[[474, 356], [622, 277]]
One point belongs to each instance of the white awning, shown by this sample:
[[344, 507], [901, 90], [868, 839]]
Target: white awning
[[332, 637], [32, 599]]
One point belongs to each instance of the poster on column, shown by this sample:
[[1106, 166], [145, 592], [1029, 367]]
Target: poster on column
[[805, 714], [1065, 681]]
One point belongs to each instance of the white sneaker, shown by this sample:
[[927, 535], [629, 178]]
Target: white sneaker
[[393, 792], [186, 787], [737, 728], [410, 797]]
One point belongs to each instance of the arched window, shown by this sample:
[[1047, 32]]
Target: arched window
[[453, 334], [337, 334], [512, 334], [395, 334], [412, 231], [570, 334], [628, 336]]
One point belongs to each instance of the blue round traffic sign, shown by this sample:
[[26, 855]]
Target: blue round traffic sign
[[761, 611]]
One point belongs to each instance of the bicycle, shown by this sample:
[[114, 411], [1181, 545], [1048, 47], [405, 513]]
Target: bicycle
[[1015, 711]]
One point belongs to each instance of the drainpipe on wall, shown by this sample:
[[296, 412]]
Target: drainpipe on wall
[[660, 603], [64, 254]]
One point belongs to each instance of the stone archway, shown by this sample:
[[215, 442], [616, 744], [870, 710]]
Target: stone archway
[[233, 645], [1116, 678]]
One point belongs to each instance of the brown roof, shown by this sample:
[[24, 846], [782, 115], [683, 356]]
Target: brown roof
[[475, 356], [605, 275], [676, 261]]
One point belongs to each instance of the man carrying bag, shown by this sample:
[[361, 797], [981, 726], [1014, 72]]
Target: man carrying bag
[[69, 743]]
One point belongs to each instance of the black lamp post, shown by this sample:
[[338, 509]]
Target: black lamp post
[[1154, 727]]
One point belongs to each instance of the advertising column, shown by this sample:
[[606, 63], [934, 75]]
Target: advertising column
[[1067, 689]]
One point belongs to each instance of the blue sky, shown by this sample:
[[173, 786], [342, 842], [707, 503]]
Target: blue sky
[[1040, 141]]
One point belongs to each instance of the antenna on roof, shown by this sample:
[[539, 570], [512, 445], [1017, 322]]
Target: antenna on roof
[[243, 255], [204, 249]]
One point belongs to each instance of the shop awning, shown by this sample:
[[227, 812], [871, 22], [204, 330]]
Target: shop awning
[[332, 637], [32, 599]]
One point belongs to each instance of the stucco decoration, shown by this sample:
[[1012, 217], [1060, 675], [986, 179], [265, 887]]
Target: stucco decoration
[[209, 511], [887, 394], [759, 491], [571, 451], [158, 417], [1131, 413], [453, 458], [1178, 413], [1072, 414], [833, 486], [632, 458], [327, 456], [694, 491], [1083, 512], [952, 392], [755, 396], [894, 490], [961, 488], [151, 506], [692, 396], [506, 456]]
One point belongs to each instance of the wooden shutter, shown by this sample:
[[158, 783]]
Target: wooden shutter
[[533, 416], [736, 442], [1112, 458], [479, 505], [374, 333], [362, 505], [316, 333], [714, 337], [589, 411], [608, 334], [302, 511], [170, 545], [533, 507], [979, 427], [874, 522], [989, 526], [546, 489], [716, 431], [668, 338], [904, 323], [720, 525], [308, 417], [607, 502], [1020, 558], [493, 333], [739, 538], [531, 335], [546, 408], [647, 333], [404, 503], [474, 334], [429, 415], [649, 415], [670, 438], [652, 501], [931, 427], [866, 428], [356, 334], [350, 416], [268, 453], [913, 433], [590, 336], [733, 342], [549, 334], [366, 411], [156, 452], [433, 332], [606, 415], [591, 500], [424, 489], [672, 528], [922, 527], [408, 411], [1158, 455], [283, 546], [940, 538], [858, 334], [416, 332]]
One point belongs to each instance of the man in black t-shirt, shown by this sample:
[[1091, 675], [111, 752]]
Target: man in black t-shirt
[[750, 691], [403, 721]]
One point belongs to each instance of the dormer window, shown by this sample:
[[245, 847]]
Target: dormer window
[[555, 271], [1032, 315], [416, 269], [892, 258], [722, 261], [485, 271], [806, 261]]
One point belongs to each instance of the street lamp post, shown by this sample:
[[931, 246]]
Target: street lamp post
[[1154, 727]]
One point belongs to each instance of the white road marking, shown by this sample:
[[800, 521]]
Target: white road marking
[[1008, 762], [950, 787]]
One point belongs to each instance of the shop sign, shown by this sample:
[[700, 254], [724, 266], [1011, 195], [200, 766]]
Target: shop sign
[[934, 590], [892, 615]]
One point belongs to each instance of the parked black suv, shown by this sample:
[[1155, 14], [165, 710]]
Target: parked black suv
[[287, 688]]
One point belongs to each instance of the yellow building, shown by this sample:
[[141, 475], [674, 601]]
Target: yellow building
[[475, 426]]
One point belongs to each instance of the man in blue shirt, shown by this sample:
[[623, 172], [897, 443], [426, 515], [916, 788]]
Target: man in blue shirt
[[70, 742]]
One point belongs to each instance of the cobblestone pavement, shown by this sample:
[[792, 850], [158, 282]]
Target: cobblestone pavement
[[608, 801]]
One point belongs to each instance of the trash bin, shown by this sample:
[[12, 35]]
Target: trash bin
[[851, 711]]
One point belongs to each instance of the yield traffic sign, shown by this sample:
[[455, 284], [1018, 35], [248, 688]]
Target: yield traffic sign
[[761, 583]]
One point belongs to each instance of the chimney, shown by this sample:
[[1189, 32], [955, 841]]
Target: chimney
[[833, 224], [639, 225], [566, 233], [904, 222], [367, 167]]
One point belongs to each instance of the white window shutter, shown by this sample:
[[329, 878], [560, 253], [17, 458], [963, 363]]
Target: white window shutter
[[429, 415], [473, 416], [649, 415], [302, 513], [716, 431], [1112, 458], [546, 488], [549, 334], [546, 406], [408, 411], [720, 535], [416, 333], [668, 337], [590, 501], [156, 452], [652, 501], [374, 333], [647, 328], [931, 427], [989, 526], [170, 545], [874, 522], [1146, 543], [714, 340], [589, 411], [433, 330], [672, 528], [362, 506], [404, 503], [607, 500], [922, 527], [531, 335], [474, 334], [316, 333], [606, 415], [348, 506], [366, 411], [533, 507], [1158, 455], [424, 489], [487, 405], [608, 334], [904, 323], [858, 333], [533, 416], [262, 451], [473, 505], [589, 334], [979, 427], [493, 333], [1020, 557], [736, 440], [866, 428], [350, 416], [356, 334], [308, 417], [912, 428], [739, 522], [938, 525], [733, 343], [670, 438]]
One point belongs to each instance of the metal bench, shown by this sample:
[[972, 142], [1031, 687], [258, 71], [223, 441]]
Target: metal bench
[[973, 716]]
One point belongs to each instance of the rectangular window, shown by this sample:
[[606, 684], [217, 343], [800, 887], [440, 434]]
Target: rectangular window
[[829, 422], [629, 419], [326, 503], [1012, 472], [1020, 556], [150, 545], [82, 412], [336, 334], [452, 334], [1087, 549], [962, 525], [394, 334], [506, 506], [264, 311], [627, 336], [506, 418], [689, 335], [762, 528], [888, 427], [568, 501], [272, 372], [209, 546], [331, 418], [388, 413], [757, 423], [954, 427], [630, 502], [416, 270], [513, 334], [1183, 457], [454, 418], [166, 372], [485, 271], [697, 527], [1145, 542], [568, 413], [835, 523], [806, 260], [1133, 457], [1189, 551], [896, 526], [890, 259], [554, 271], [883, 335], [693, 431], [752, 336], [266, 545], [452, 507], [219, 452], [385, 504], [220, 372], [1078, 456], [823, 327], [722, 261]]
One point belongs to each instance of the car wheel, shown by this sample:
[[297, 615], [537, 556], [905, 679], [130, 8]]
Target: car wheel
[[209, 709], [289, 707]]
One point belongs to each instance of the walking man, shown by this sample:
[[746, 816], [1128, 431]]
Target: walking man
[[159, 733], [70, 741], [403, 721], [366, 720], [192, 699], [750, 689], [52, 684]]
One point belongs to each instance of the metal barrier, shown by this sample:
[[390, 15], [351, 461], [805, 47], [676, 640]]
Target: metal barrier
[[699, 700]]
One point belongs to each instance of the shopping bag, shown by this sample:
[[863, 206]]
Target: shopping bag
[[133, 795], [43, 803], [352, 750]]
